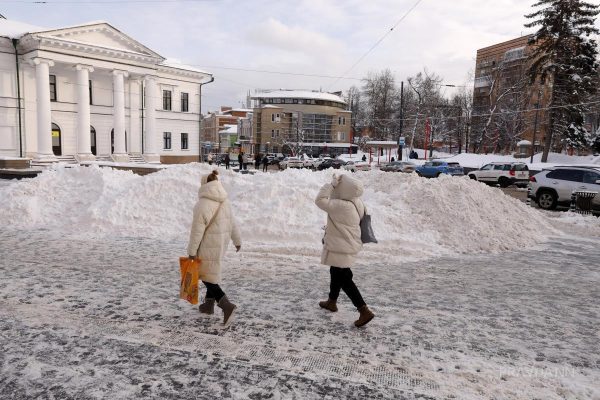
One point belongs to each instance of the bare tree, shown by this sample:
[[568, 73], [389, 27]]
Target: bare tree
[[381, 99]]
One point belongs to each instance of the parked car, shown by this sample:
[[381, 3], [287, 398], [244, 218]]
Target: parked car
[[308, 162], [502, 173], [435, 168], [357, 166], [331, 163], [317, 162], [399, 166], [291, 162], [554, 186]]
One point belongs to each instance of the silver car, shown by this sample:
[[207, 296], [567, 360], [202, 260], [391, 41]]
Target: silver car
[[553, 187]]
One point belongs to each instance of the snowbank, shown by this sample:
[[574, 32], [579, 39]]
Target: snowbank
[[413, 217]]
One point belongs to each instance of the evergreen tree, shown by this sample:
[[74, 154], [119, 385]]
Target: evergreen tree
[[564, 59]]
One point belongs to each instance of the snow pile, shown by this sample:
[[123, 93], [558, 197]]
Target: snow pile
[[413, 217]]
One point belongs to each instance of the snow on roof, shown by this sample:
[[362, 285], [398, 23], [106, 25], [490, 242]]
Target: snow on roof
[[229, 129], [247, 110], [524, 143], [15, 29], [270, 106], [299, 94], [382, 143], [328, 145], [175, 64]]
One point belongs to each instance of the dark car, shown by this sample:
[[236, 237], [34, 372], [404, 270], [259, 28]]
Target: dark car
[[331, 163]]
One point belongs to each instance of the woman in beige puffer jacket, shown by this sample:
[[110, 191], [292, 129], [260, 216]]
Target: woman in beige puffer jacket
[[213, 227], [342, 241]]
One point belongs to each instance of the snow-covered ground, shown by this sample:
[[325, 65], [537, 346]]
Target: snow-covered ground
[[476, 294]]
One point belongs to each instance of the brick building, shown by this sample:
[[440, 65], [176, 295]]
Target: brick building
[[504, 99]]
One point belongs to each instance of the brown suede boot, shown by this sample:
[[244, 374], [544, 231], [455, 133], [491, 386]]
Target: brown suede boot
[[228, 309], [328, 305], [208, 307], [365, 316]]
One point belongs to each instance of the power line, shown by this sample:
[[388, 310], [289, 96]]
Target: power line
[[380, 40]]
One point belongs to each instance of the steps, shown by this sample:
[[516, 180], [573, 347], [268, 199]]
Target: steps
[[136, 158]]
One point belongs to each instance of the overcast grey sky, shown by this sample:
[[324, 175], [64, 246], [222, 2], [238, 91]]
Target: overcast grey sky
[[323, 37]]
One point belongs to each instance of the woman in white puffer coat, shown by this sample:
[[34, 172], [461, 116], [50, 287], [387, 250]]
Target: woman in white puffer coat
[[342, 241], [213, 227]]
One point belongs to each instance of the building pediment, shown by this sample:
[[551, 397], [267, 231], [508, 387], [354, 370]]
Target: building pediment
[[93, 38]]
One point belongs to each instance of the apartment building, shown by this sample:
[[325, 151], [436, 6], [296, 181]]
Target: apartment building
[[290, 121], [215, 122], [504, 99]]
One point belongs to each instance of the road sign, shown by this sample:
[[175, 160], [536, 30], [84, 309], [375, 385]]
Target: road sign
[[401, 141]]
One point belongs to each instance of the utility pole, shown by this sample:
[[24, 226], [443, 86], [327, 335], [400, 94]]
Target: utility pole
[[535, 122], [401, 119]]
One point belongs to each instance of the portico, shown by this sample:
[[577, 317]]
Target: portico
[[92, 89]]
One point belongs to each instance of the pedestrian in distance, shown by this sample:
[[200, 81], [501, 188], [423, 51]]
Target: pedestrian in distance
[[341, 200], [245, 161], [265, 163], [257, 159], [241, 160], [213, 226], [393, 159], [364, 157], [227, 161], [209, 158]]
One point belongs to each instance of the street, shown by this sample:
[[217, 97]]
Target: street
[[84, 319]]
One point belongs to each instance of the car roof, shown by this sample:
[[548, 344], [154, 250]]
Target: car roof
[[506, 162], [592, 167]]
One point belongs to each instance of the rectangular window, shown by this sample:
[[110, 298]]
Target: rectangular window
[[167, 140], [90, 84], [167, 100], [184, 141], [278, 118], [184, 102], [272, 117], [52, 87], [277, 133], [272, 133]]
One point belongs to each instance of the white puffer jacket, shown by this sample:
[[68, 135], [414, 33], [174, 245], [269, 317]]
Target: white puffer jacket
[[210, 233], [344, 211]]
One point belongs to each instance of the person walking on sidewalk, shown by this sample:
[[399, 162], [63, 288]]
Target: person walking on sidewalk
[[265, 163], [213, 227], [227, 161], [340, 199]]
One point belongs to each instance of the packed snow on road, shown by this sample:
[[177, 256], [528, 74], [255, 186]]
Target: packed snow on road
[[476, 295]]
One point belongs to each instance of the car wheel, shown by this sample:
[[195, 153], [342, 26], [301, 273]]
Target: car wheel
[[547, 199], [503, 182], [473, 177], [438, 174]]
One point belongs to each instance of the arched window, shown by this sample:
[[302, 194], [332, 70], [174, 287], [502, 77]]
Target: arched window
[[93, 139], [56, 140]]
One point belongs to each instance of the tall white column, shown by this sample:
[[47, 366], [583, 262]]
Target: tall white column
[[135, 139], [150, 97], [44, 116], [84, 148], [120, 154]]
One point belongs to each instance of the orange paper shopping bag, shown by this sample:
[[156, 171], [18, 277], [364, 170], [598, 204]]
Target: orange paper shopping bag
[[189, 279]]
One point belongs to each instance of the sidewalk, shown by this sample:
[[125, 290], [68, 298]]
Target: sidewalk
[[100, 319]]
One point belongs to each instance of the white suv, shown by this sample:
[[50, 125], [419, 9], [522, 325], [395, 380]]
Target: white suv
[[554, 186], [502, 173]]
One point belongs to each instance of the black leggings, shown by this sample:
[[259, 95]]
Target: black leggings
[[213, 291], [341, 278]]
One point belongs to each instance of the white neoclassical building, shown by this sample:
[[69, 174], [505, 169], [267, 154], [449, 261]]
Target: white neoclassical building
[[91, 92]]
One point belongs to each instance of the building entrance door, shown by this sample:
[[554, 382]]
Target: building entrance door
[[56, 140]]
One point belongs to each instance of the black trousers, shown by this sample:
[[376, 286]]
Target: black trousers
[[341, 278], [213, 291], [265, 167]]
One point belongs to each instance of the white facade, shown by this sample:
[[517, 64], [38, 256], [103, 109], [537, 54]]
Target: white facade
[[128, 84]]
